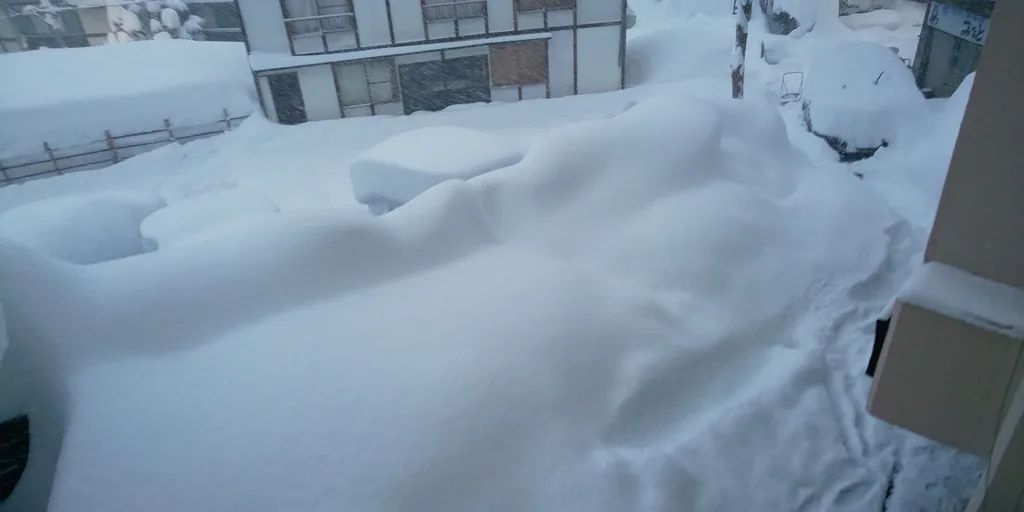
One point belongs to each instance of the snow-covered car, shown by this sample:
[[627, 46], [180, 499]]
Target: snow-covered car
[[856, 92]]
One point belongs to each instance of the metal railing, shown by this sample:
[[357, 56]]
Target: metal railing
[[109, 150]]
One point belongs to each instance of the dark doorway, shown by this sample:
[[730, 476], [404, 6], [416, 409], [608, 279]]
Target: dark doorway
[[438, 84], [14, 446], [287, 96]]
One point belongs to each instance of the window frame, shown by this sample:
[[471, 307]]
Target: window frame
[[351, 25], [337, 72], [39, 36], [454, 4], [547, 7]]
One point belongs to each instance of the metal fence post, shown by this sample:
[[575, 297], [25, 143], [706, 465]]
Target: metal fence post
[[227, 121], [111, 147], [167, 126], [49, 152]]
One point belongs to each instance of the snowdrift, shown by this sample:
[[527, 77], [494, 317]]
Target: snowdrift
[[70, 96], [616, 322]]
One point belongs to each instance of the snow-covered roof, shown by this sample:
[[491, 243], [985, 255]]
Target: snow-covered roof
[[264, 61], [70, 96]]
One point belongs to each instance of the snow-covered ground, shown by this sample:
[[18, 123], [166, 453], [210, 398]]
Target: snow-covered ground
[[665, 305]]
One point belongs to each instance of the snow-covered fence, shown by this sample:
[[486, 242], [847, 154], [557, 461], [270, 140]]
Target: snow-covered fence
[[108, 150]]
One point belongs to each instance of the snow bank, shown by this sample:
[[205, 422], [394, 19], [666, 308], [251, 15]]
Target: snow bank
[[70, 96], [81, 229], [861, 93], [391, 173], [197, 215]]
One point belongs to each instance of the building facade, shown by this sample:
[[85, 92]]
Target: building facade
[[328, 59], [952, 366], [952, 36], [79, 23]]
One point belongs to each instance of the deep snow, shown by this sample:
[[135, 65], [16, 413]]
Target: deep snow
[[665, 305]]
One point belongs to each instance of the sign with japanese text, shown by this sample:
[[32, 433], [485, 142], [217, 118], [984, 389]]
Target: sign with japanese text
[[958, 22]]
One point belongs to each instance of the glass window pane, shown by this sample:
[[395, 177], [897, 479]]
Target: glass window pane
[[378, 71], [352, 81], [382, 92]]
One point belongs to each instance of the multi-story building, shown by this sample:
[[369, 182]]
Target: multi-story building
[[328, 59], [78, 23]]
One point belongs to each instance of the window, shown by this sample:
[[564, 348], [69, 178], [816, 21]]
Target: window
[[544, 5], [221, 20], [50, 28], [440, 10], [519, 64], [366, 83], [318, 26]]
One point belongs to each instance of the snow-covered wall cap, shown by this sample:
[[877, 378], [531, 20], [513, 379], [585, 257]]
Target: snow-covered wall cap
[[265, 61], [978, 301]]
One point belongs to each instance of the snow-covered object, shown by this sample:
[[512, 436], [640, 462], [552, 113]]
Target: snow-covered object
[[393, 172], [196, 216], [169, 19], [975, 300], [858, 92], [81, 229], [911, 176], [121, 88]]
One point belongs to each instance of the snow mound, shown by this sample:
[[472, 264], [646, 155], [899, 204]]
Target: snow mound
[[393, 172], [125, 88], [81, 229], [201, 214], [860, 93]]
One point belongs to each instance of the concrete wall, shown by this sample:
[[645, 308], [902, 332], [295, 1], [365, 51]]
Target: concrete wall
[[980, 219]]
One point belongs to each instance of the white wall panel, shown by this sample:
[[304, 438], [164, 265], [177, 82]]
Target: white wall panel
[[407, 18], [597, 11], [506, 94], [598, 59], [318, 93], [440, 29], [264, 25], [560, 63], [562, 18], [499, 15], [536, 91], [372, 21], [472, 26], [531, 20]]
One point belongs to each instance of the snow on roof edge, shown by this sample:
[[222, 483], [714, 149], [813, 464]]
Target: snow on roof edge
[[266, 61]]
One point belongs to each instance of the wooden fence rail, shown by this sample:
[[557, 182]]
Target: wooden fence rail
[[110, 150]]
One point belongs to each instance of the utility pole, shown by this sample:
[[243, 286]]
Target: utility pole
[[742, 9]]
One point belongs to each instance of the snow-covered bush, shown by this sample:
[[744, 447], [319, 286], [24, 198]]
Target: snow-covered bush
[[152, 19]]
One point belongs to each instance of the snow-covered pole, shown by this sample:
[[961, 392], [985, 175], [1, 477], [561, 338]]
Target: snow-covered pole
[[743, 10]]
